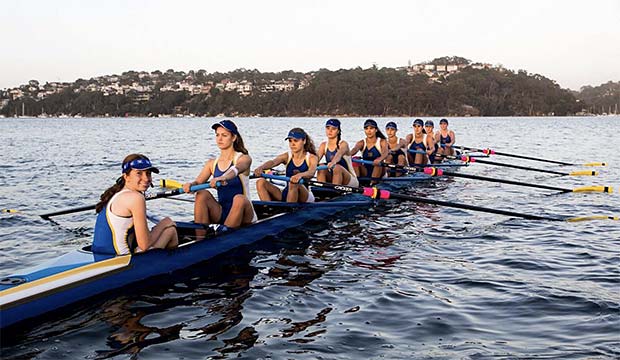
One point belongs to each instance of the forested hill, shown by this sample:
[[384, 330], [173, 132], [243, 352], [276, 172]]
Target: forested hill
[[432, 89]]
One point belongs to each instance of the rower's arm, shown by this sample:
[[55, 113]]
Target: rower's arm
[[204, 175], [342, 151], [270, 164], [452, 137], [384, 150], [358, 146], [321, 151], [137, 206], [312, 164], [242, 166]]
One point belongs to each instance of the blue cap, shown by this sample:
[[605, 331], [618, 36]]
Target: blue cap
[[443, 121], [418, 122], [391, 125], [371, 122], [333, 122], [295, 135], [228, 125], [139, 164], [429, 123]]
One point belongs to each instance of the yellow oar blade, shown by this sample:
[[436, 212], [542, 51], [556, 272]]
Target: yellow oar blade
[[604, 189], [171, 184], [584, 173], [593, 217], [10, 211], [595, 164]]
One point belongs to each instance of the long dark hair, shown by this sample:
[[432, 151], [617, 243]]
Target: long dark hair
[[119, 185], [238, 145], [309, 145]]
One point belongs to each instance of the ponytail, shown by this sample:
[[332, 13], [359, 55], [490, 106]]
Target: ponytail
[[238, 145], [107, 195]]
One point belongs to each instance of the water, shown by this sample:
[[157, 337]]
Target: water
[[398, 281]]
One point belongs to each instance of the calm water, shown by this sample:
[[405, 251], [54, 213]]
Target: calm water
[[397, 281]]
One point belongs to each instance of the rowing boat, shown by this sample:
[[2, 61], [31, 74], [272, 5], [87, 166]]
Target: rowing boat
[[81, 274]]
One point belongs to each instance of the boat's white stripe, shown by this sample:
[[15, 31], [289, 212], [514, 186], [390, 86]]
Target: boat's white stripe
[[40, 286]]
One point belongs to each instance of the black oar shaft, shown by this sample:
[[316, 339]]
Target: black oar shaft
[[162, 194], [380, 193], [472, 207], [517, 156], [521, 167], [505, 181], [46, 216]]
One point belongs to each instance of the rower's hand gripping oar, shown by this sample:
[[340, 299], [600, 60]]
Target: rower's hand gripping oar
[[376, 193], [493, 152], [441, 172], [158, 195]]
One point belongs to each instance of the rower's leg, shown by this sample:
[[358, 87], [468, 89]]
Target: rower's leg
[[377, 173], [164, 235], [293, 192], [324, 176], [241, 212], [338, 175], [297, 193], [341, 176], [402, 161], [268, 191], [206, 209]]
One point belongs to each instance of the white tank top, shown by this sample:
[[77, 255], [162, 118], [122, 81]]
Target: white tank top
[[119, 226]]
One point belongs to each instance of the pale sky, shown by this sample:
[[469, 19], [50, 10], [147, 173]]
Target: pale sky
[[573, 42]]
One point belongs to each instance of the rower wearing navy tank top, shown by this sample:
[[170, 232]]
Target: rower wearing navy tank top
[[395, 146], [230, 169], [300, 161], [429, 141], [446, 139], [416, 146], [374, 148], [338, 157]]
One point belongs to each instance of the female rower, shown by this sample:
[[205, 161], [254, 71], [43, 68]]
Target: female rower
[[429, 141], [446, 139], [231, 169], [336, 151], [121, 226], [417, 146], [301, 162], [374, 148], [395, 146]]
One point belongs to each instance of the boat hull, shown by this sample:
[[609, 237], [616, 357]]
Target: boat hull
[[80, 274]]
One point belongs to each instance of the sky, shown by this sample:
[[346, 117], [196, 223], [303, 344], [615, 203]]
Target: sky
[[573, 42]]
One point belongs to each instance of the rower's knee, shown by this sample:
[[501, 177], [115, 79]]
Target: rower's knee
[[203, 196]]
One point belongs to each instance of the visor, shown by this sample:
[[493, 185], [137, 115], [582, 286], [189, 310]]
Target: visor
[[228, 125], [295, 135], [429, 123], [333, 122], [371, 122], [443, 121], [391, 125], [139, 164], [418, 122]]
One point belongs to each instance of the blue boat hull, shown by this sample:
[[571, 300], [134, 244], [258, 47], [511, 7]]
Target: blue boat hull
[[80, 274]]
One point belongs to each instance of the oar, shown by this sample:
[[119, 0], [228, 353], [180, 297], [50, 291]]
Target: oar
[[573, 173], [376, 193], [470, 159], [412, 168], [158, 195], [493, 152], [440, 172]]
